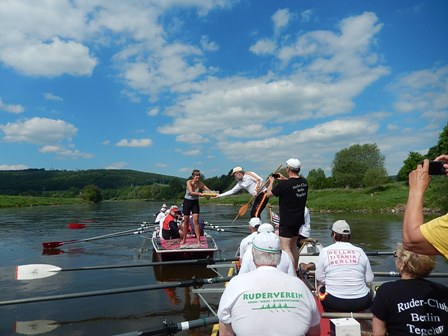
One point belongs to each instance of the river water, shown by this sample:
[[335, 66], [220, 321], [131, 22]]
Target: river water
[[23, 230]]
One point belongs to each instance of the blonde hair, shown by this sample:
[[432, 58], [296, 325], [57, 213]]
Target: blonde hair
[[417, 265]]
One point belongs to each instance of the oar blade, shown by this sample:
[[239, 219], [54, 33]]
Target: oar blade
[[76, 226], [35, 271], [35, 327], [51, 245]]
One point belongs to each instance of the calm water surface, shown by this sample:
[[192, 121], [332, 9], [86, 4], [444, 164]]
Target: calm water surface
[[23, 230]]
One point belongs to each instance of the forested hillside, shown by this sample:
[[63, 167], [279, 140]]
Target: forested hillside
[[37, 181]]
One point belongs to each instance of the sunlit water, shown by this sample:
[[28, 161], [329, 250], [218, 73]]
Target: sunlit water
[[23, 230]]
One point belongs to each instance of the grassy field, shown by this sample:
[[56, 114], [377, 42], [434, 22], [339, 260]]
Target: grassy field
[[26, 201], [389, 198]]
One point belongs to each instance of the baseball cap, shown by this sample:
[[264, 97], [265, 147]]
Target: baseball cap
[[236, 169], [265, 227], [294, 163], [254, 221], [341, 227], [174, 207], [267, 242]]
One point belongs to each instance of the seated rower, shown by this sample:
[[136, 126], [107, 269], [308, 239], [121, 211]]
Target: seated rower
[[248, 264], [411, 304], [170, 229], [343, 271]]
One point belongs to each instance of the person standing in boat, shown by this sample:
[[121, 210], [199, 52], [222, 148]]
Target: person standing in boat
[[267, 301], [170, 229], [292, 192], [342, 272], [411, 305], [253, 183], [194, 190]]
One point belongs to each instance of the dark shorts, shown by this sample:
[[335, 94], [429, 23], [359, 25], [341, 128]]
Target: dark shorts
[[288, 231], [190, 207], [332, 303]]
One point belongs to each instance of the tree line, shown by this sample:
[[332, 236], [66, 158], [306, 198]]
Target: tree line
[[358, 166]]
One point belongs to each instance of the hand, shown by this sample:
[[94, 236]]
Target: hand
[[419, 178], [444, 158]]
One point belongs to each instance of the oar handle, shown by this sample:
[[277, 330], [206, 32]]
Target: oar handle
[[185, 283], [171, 328]]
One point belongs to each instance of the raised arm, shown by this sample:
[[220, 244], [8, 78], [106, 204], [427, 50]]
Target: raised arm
[[413, 239]]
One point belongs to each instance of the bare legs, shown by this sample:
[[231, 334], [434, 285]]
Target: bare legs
[[196, 228], [289, 245]]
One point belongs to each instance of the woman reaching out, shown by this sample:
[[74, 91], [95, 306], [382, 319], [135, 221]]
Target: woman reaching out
[[191, 204]]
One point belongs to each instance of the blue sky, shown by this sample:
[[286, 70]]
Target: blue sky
[[166, 86]]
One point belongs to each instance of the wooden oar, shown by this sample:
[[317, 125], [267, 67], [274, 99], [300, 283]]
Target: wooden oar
[[39, 271], [184, 283], [170, 328], [243, 209], [50, 245]]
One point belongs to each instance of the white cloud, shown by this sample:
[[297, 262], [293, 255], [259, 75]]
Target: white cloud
[[11, 108], [64, 153], [38, 131], [193, 152], [281, 19], [51, 96], [134, 143], [152, 112], [50, 59], [306, 15], [13, 167], [117, 165], [263, 46], [208, 45]]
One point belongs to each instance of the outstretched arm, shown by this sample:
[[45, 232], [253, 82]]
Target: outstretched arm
[[413, 239]]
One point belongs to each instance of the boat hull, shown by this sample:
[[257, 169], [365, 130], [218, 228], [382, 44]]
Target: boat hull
[[169, 250]]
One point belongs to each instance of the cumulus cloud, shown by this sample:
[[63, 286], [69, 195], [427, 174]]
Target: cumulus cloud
[[281, 19], [64, 153], [11, 108], [117, 165], [38, 131], [134, 143]]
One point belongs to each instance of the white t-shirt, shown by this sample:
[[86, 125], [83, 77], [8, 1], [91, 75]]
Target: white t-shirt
[[345, 270], [245, 242], [248, 265], [160, 217], [268, 302], [249, 182], [305, 229]]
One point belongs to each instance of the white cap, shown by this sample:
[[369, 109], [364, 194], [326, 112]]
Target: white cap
[[254, 221], [341, 227], [267, 242], [163, 209], [294, 163], [164, 205], [174, 207], [237, 169], [265, 227]]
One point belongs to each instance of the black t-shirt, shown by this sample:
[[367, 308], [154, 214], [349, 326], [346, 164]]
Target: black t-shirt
[[292, 194], [412, 307]]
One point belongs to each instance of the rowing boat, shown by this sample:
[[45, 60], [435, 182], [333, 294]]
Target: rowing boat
[[174, 250]]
